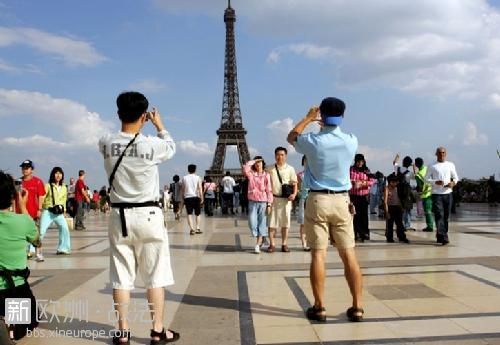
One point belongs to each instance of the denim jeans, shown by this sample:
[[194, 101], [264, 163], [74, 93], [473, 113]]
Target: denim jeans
[[407, 218], [80, 214], [441, 206], [257, 218]]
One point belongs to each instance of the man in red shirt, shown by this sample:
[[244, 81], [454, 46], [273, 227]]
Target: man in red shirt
[[80, 197], [35, 188]]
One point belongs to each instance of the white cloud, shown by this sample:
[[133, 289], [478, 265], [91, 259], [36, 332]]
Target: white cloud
[[72, 51], [279, 130], [443, 48], [374, 154], [194, 148], [148, 86], [7, 67], [76, 125], [473, 137], [274, 56], [283, 126], [34, 141], [495, 99]]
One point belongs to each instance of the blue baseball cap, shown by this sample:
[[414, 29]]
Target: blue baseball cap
[[28, 164], [332, 111]]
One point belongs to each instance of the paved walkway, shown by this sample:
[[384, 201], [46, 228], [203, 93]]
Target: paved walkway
[[419, 293]]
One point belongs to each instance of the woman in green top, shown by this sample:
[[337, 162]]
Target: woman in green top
[[54, 206], [16, 230]]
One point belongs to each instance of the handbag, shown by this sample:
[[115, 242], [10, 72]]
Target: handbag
[[286, 188], [56, 209]]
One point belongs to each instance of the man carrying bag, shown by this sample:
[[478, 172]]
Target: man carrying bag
[[137, 234]]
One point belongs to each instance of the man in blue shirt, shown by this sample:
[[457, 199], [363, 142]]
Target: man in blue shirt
[[328, 211]]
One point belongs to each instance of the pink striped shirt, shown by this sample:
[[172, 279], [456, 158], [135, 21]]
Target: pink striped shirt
[[259, 184], [357, 176]]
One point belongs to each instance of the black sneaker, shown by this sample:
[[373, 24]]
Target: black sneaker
[[427, 230]]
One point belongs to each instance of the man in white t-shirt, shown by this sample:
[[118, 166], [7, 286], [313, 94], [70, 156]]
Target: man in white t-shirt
[[281, 174], [192, 194], [443, 177], [228, 184], [137, 235]]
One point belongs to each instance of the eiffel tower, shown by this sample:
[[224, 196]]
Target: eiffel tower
[[231, 131]]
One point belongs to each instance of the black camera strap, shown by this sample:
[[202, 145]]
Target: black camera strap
[[278, 172], [52, 194], [112, 176]]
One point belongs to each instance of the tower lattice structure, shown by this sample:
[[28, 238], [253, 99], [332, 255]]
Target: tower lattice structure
[[231, 131]]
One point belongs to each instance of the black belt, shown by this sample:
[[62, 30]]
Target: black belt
[[123, 205], [9, 274], [328, 191]]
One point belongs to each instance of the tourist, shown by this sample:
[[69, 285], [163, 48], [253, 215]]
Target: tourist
[[81, 197], [328, 212], [405, 175], [228, 184], [424, 190], [53, 212], [361, 180], [137, 235], [303, 193], [71, 203], [175, 196], [443, 177], [192, 194], [284, 184], [209, 188], [260, 198], [16, 231], [393, 211]]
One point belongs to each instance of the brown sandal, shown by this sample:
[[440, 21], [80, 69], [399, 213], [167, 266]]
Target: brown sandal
[[355, 314], [313, 314], [163, 337]]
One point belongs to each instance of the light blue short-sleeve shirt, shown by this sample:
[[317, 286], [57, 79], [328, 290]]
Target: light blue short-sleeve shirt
[[329, 153]]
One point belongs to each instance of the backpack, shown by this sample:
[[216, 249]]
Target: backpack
[[405, 193]]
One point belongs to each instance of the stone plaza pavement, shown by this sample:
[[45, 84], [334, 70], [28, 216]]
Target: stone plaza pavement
[[421, 293]]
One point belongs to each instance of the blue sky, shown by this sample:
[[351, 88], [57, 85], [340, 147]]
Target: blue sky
[[414, 75]]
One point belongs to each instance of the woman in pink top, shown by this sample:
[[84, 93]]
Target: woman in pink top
[[260, 198], [209, 189], [361, 180]]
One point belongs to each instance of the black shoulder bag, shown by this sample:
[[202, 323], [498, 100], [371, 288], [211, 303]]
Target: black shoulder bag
[[112, 176], [55, 209], [286, 189]]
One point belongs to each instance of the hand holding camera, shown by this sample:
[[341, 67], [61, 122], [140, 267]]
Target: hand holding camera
[[155, 118], [313, 114]]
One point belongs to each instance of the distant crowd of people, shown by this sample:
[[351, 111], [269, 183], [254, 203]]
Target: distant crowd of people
[[269, 195]]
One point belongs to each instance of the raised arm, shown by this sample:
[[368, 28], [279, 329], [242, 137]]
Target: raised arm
[[312, 116], [247, 168]]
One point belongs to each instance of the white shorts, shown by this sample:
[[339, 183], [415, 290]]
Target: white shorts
[[145, 250], [280, 213]]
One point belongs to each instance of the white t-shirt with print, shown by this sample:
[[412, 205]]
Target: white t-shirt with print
[[137, 178]]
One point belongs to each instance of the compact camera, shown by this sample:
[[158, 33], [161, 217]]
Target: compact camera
[[19, 185]]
